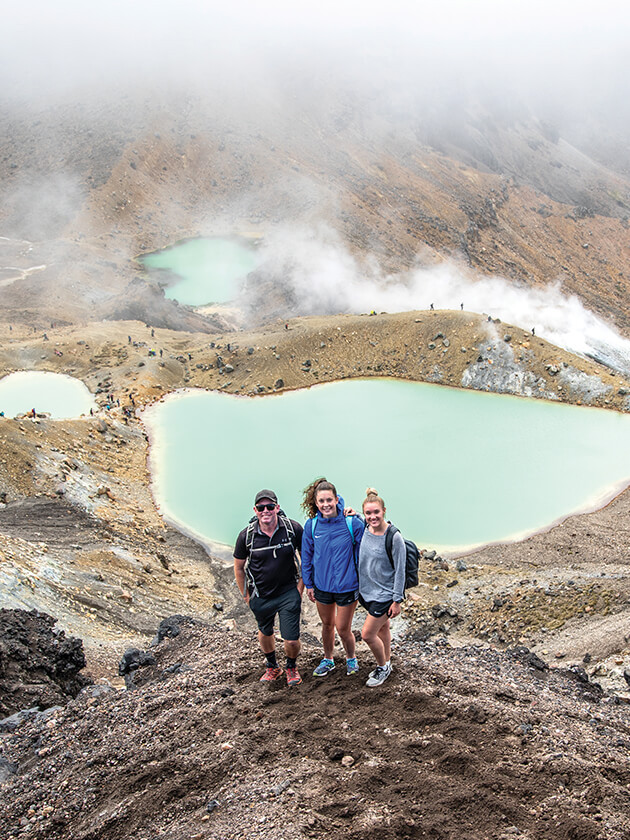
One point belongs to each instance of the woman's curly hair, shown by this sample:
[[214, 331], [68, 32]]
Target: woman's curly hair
[[309, 505]]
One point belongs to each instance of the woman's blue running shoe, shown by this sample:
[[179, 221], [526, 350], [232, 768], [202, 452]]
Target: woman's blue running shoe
[[352, 666], [324, 667]]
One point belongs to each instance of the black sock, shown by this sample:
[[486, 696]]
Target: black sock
[[291, 661], [271, 659]]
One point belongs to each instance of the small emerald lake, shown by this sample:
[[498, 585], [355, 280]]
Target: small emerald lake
[[62, 397], [203, 271], [456, 468]]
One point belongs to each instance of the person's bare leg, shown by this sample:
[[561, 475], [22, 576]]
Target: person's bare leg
[[327, 615], [385, 635], [371, 634], [292, 649], [344, 628], [267, 643]]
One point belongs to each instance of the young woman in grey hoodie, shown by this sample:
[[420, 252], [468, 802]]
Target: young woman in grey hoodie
[[381, 584]]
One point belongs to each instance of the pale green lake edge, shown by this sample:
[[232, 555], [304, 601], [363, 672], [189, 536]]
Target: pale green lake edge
[[457, 469]]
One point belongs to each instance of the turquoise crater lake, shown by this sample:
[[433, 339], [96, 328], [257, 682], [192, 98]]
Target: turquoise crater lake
[[456, 468], [62, 397], [206, 270]]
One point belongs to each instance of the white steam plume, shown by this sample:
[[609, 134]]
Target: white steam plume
[[326, 278]]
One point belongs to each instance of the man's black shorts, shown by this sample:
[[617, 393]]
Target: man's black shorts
[[286, 606], [377, 609], [342, 599]]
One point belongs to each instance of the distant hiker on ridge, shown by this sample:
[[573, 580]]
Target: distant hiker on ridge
[[267, 573]]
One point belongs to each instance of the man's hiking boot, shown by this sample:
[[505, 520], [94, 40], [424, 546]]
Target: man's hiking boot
[[293, 677], [271, 674], [352, 666], [324, 667], [379, 675]]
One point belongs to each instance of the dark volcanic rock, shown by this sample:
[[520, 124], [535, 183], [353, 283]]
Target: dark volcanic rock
[[138, 667], [13, 721], [146, 302], [528, 657], [170, 627], [39, 665], [134, 658]]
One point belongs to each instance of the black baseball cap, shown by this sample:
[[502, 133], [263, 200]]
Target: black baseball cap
[[266, 494]]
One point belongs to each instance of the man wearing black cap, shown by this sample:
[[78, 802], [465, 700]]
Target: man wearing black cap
[[267, 572]]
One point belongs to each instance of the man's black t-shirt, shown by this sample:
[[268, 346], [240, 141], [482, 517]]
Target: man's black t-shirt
[[271, 568]]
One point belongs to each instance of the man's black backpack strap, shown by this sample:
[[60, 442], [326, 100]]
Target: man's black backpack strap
[[288, 526], [249, 534], [291, 535], [251, 529]]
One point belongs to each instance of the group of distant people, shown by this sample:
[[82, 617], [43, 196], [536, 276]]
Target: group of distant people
[[340, 559]]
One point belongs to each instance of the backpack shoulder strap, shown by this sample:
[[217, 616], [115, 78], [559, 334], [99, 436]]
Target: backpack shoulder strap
[[348, 523], [249, 535], [249, 544], [389, 541], [284, 520]]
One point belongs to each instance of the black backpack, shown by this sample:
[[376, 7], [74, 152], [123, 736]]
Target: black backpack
[[412, 560]]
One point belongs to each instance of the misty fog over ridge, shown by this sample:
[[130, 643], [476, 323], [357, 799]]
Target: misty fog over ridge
[[322, 277], [533, 93], [453, 74], [566, 61]]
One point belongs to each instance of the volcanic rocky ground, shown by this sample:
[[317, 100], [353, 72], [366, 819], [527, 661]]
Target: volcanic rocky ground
[[466, 741], [507, 713]]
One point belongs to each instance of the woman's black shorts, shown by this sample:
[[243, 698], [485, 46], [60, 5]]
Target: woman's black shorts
[[377, 609], [342, 599]]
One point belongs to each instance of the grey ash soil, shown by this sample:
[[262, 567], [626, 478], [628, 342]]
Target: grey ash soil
[[106, 586], [459, 742]]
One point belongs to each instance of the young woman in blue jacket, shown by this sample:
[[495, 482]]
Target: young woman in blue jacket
[[329, 569]]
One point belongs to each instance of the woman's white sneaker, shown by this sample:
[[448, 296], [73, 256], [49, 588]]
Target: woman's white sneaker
[[379, 675]]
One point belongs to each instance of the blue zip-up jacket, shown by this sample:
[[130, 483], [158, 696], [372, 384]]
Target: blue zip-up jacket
[[328, 561]]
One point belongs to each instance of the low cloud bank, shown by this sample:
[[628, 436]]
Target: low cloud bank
[[325, 278]]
